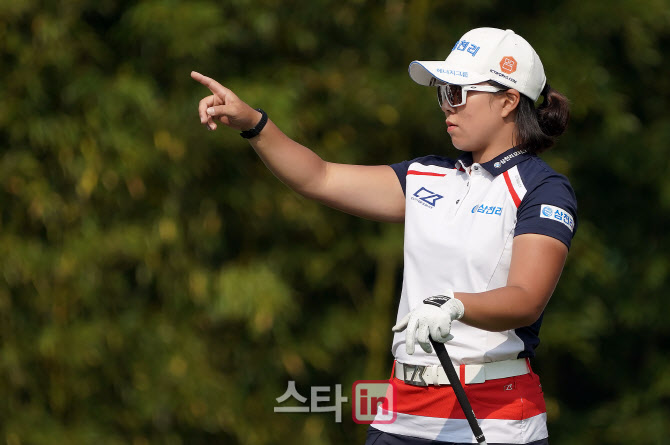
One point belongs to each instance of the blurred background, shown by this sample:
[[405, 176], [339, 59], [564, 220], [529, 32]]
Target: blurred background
[[159, 286]]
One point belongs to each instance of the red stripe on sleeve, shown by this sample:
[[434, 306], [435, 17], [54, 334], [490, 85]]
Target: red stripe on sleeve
[[416, 172], [512, 192]]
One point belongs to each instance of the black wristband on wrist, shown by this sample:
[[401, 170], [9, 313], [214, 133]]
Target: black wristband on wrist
[[437, 300], [248, 134]]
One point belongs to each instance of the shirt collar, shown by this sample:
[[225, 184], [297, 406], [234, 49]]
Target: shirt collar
[[501, 163]]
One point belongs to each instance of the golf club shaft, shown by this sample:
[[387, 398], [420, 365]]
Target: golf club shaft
[[455, 382]]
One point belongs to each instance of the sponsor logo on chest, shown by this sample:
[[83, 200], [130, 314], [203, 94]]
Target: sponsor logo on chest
[[426, 197], [485, 209]]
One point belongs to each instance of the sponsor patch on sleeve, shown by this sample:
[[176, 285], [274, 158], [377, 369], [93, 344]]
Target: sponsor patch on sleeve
[[557, 214]]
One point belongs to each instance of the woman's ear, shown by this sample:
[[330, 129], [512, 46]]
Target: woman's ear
[[511, 101]]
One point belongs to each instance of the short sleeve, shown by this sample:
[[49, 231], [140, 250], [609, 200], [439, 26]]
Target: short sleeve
[[549, 209], [400, 170]]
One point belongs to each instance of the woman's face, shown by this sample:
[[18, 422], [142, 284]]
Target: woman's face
[[476, 125]]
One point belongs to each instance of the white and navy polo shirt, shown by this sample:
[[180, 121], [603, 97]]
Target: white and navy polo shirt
[[460, 220]]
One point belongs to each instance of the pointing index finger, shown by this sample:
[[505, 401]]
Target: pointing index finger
[[214, 86]]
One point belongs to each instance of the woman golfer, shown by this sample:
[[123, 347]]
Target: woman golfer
[[486, 236]]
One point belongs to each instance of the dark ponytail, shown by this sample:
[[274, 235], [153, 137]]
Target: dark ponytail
[[538, 128]]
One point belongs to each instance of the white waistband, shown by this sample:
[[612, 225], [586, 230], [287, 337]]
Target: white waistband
[[424, 375]]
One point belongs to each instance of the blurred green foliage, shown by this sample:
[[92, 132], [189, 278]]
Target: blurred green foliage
[[158, 285]]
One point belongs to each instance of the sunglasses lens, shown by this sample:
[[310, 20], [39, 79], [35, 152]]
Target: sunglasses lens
[[453, 94]]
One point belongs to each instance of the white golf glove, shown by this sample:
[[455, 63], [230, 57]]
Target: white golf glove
[[433, 317]]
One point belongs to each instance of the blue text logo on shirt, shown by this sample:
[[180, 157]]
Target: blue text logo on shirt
[[486, 210], [426, 197]]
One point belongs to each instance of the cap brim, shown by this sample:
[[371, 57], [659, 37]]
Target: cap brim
[[424, 71]]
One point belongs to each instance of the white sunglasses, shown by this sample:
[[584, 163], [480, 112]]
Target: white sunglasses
[[455, 94]]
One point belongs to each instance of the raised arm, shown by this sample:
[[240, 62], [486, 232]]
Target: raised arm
[[372, 192]]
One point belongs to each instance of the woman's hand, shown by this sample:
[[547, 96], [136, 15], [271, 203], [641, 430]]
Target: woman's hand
[[430, 320], [372, 192], [223, 105]]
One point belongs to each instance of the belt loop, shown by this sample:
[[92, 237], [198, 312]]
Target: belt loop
[[393, 370], [528, 363], [461, 370]]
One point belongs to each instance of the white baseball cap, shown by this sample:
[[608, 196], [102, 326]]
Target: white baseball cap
[[486, 54]]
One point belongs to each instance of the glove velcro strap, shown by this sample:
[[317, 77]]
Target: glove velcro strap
[[437, 300], [456, 306]]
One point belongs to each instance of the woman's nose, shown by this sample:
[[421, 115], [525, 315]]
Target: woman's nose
[[446, 108]]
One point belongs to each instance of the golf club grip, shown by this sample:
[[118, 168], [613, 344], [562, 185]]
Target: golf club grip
[[443, 355]]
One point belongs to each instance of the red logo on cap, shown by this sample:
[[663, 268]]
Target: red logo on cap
[[508, 64]]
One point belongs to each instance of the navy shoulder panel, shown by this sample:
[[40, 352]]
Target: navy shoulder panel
[[549, 206], [401, 168]]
